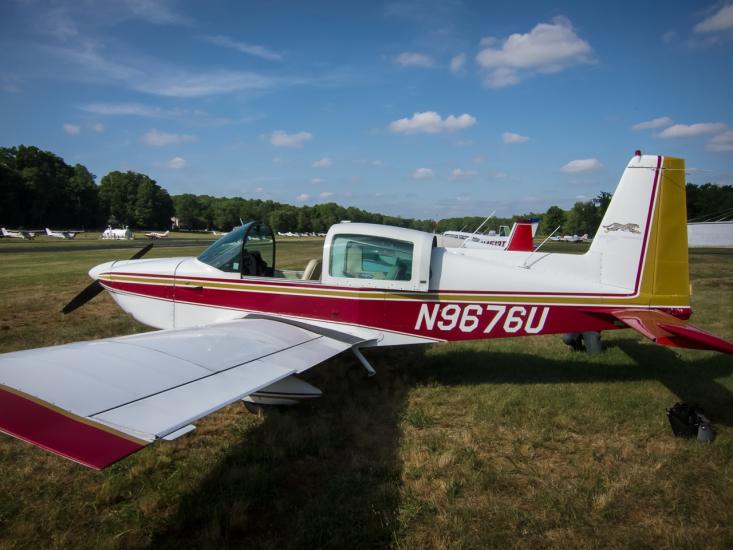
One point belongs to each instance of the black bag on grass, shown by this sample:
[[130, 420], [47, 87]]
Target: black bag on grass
[[689, 420]]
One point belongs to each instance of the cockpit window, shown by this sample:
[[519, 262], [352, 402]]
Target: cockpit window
[[258, 253], [248, 250], [367, 257], [226, 253]]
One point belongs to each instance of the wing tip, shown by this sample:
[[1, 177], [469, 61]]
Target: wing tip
[[62, 433]]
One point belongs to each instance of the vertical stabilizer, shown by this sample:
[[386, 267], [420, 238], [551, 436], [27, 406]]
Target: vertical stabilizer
[[642, 240], [520, 239]]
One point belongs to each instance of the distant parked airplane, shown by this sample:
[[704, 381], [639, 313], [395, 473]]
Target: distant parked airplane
[[62, 234], [156, 235], [518, 239], [20, 234]]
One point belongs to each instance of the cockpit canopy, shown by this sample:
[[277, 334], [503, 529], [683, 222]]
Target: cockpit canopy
[[248, 250]]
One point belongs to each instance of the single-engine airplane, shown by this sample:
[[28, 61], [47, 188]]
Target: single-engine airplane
[[20, 234], [234, 326], [520, 238], [156, 235], [62, 234]]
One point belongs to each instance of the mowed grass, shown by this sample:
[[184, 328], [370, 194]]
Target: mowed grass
[[516, 442]]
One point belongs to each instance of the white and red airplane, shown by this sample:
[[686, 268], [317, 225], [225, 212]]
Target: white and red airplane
[[62, 234], [520, 238], [233, 326], [156, 235], [20, 234]]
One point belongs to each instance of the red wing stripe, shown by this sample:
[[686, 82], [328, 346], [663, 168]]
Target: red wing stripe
[[61, 434]]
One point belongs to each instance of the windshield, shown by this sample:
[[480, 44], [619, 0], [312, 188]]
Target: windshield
[[226, 253]]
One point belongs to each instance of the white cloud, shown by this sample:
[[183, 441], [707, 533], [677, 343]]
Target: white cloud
[[317, 181], [202, 84], [326, 194], [412, 59], [98, 127], [457, 63], [422, 174], [9, 83], [458, 173], [721, 143], [249, 49], [660, 122], [547, 48], [160, 139], [323, 163], [176, 163], [283, 139], [721, 20], [431, 122], [691, 130], [57, 23], [302, 197], [88, 60], [582, 165], [277, 160], [156, 12], [669, 36], [72, 129], [511, 137], [123, 109]]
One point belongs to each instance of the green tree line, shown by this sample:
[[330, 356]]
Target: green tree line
[[38, 189]]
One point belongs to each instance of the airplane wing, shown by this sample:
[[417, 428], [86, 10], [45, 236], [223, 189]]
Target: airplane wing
[[99, 401], [668, 330]]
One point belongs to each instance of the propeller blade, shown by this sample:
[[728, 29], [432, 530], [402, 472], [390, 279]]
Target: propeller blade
[[140, 253], [83, 297], [96, 287]]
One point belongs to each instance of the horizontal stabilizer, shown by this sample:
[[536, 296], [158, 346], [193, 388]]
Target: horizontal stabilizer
[[670, 331]]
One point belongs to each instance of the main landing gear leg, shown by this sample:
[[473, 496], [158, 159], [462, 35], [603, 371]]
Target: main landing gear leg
[[364, 363], [584, 341]]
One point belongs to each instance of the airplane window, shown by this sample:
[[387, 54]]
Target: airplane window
[[367, 257], [258, 254], [226, 253]]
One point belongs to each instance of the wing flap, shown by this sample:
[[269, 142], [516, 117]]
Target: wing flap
[[96, 402], [667, 330]]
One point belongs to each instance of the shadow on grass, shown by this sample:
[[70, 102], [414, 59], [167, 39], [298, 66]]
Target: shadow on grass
[[328, 473], [323, 474]]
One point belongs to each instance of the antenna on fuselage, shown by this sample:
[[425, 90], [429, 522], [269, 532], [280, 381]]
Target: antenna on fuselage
[[524, 264], [479, 227]]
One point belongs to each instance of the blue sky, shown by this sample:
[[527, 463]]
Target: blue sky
[[419, 109]]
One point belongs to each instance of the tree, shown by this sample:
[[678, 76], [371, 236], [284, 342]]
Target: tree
[[37, 189], [135, 200], [582, 219], [553, 218]]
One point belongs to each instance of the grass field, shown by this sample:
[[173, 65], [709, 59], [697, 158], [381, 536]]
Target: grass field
[[516, 442]]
